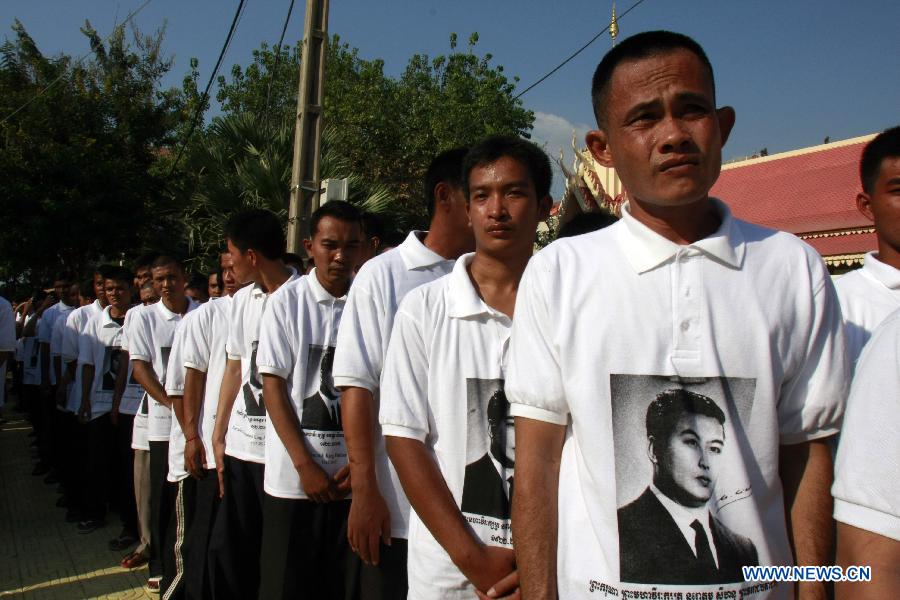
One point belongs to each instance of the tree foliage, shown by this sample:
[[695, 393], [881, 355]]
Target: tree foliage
[[84, 164]]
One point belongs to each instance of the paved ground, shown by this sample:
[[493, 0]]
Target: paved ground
[[42, 556]]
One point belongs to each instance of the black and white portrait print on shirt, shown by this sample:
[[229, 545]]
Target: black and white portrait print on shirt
[[490, 461], [682, 481], [252, 390], [320, 419]]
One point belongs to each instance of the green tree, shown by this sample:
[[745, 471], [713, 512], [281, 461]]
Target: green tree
[[83, 163], [388, 129]]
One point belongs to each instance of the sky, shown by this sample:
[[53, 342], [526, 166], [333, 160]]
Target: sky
[[795, 71]]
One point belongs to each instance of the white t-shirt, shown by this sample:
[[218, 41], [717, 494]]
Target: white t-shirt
[[150, 335], [297, 335], [443, 385], [200, 345], [867, 296], [606, 322], [246, 435], [100, 345], [73, 329], [363, 340], [7, 342], [866, 488], [142, 416], [45, 332], [175, 373]]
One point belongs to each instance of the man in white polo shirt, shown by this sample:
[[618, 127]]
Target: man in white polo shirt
[[305, 553], [870, 294], [379, 510], [443, 407], [256, 244], [150, 336], [676, 295], [866, 488]]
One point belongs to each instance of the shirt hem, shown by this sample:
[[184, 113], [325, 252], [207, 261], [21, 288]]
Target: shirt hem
[[870, 519], [283, 373], [537, 414], [345, 381], [388, 429]]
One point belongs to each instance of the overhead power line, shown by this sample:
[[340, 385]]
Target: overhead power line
[[198, 113], [576, 53], [130, 16], [284, 27]]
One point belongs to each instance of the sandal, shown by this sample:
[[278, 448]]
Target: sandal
[[134, 560]]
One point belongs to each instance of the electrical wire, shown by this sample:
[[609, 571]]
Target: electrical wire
[[277, 60], [198, 113], [576, 53], [130, 16]]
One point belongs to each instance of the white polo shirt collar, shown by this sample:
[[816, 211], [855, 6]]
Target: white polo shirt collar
[[107, 320], [415, 254], [881, 272], [645, 249], [320, 293], [168, 315], [462, 299]]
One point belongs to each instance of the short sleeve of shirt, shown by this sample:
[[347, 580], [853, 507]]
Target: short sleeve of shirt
[[59, 332], [175, 368], [360, 344], [404, 410], [234, 343], [812, 399], [70, 337], [86, 341], [7, 327], [195, 345], [276, 352], [534, 377], [45, 326], [139, 336], [866, 486]]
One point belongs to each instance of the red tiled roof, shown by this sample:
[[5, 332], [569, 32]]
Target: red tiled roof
[[800, 193]]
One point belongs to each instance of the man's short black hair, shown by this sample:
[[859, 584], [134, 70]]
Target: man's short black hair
[[117, 273], [637, 47], [145, 260], [495, 147], [497, 413], [198, 282], [165, 260], [64, 276], [337, 209], [585, 223], [885, 145], [445, 168], [86, 289], [669, 406], [259, 230], [371, 225], [294, 260]]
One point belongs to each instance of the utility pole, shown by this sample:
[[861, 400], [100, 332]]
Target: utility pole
[[308, 133]]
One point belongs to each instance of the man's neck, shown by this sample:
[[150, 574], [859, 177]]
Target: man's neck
[[443, 240], [272, 275], [337, 289], [684, 224], [179, 305], [888, 254], [496, 279], [117, 312]]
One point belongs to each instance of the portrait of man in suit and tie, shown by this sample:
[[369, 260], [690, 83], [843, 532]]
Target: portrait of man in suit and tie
[[321, 410], [488, 483], [668, 534]]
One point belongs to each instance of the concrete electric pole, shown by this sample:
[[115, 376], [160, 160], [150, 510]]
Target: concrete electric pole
[[305, 181]]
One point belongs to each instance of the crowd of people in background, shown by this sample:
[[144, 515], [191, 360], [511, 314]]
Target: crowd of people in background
[[664, 392]]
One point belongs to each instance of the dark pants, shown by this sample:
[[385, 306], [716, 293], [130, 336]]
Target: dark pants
[[100, 455], [387, 580], [196, 546], [162, 502], [124, 467], [234, 546], [305, 553], [75, 471], [177, 533]]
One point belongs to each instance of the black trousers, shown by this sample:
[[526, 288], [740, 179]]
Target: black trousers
[[124, 468], [162, 503], [234, 546], [75, 471], [100, 452], [196, 545], [305, 553], [388, 579], [177, 532]]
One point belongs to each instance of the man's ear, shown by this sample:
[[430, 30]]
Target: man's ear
[[650, 451], [307, 245], [443, 196], [544, 206], [726, 116], [864, 206], [598, 143]]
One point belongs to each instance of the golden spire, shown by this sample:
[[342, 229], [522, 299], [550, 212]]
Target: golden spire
[[614, 25]]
